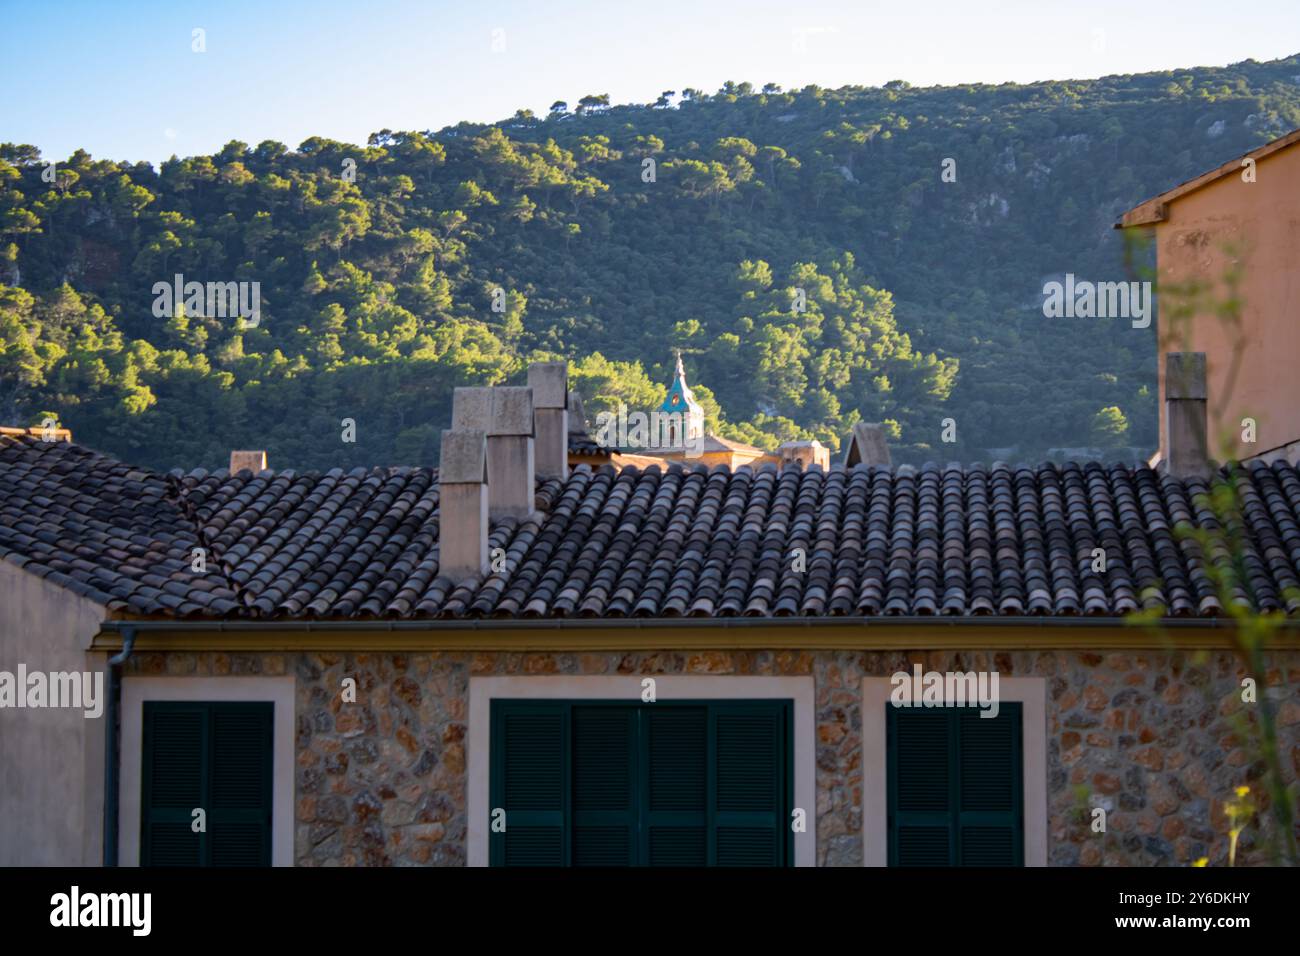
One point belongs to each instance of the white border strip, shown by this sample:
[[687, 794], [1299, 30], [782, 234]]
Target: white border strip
[[275, 690], [483, 690], [1030, 691]]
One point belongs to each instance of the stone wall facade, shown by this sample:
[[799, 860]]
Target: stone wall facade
[[1159, 739]]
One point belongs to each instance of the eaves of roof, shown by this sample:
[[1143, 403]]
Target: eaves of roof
[[900, 634], [1156, 209]]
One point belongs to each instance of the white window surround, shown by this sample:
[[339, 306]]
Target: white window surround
[[483, 690], [1030, 691], [275, 690]]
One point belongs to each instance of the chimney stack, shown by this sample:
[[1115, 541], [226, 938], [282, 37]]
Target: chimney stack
[[577, 413], [505, 415], [867, 446], [1185, 415], [806, 453], [550, 384], [254, 461], [463, 505]]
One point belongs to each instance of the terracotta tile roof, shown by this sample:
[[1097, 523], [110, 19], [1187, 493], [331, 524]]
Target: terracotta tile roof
[[711, 443], [610, 544], [580, 443], [103, 529], [718, 443]]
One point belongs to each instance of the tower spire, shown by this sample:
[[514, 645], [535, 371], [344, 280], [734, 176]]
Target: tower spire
[[681, 403]]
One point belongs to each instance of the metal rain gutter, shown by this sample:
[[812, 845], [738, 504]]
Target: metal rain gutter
[[633, 623]]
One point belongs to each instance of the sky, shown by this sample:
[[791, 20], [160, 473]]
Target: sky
[[124, 81]]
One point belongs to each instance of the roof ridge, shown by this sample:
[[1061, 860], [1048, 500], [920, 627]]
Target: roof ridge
[[189, 512]]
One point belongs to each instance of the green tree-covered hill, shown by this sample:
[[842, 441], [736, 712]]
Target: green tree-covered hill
[[802, 248]]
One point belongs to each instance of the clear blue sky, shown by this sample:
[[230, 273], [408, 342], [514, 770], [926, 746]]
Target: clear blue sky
[[120, 78]]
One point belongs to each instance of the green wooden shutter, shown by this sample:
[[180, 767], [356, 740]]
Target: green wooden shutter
[[175, 780], [530, 763], [920, 787], [239, 805], [750, 825], [991, 774], [604, 798], [215, 756], [956, 786], [618, 783], [675, 794]]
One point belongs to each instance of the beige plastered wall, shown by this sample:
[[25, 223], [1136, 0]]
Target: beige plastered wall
[[51, 759]]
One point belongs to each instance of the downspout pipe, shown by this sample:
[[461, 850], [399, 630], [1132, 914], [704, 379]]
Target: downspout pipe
[[111, 756]]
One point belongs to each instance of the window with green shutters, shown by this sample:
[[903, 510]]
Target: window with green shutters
[[956, 786], [211, 756], [612, 783]]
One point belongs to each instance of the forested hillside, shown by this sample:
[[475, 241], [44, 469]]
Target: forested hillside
[[379, 268]]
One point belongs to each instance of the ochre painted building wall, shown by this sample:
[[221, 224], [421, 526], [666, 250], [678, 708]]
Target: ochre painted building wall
[[1254, 227]]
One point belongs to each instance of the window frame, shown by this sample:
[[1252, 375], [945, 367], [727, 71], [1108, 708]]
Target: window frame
[[799, 690], [1030, 692], [713, 818], [278, 691], [952, 817]]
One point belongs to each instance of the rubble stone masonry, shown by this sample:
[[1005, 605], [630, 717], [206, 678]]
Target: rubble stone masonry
[[1160, 739]]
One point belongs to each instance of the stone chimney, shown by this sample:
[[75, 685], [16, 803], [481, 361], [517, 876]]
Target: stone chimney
[[577, 414], [505, 415], [867, 446], [463, 505], [254, 461], [550, 384], [807, 453], [1187, 450]]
